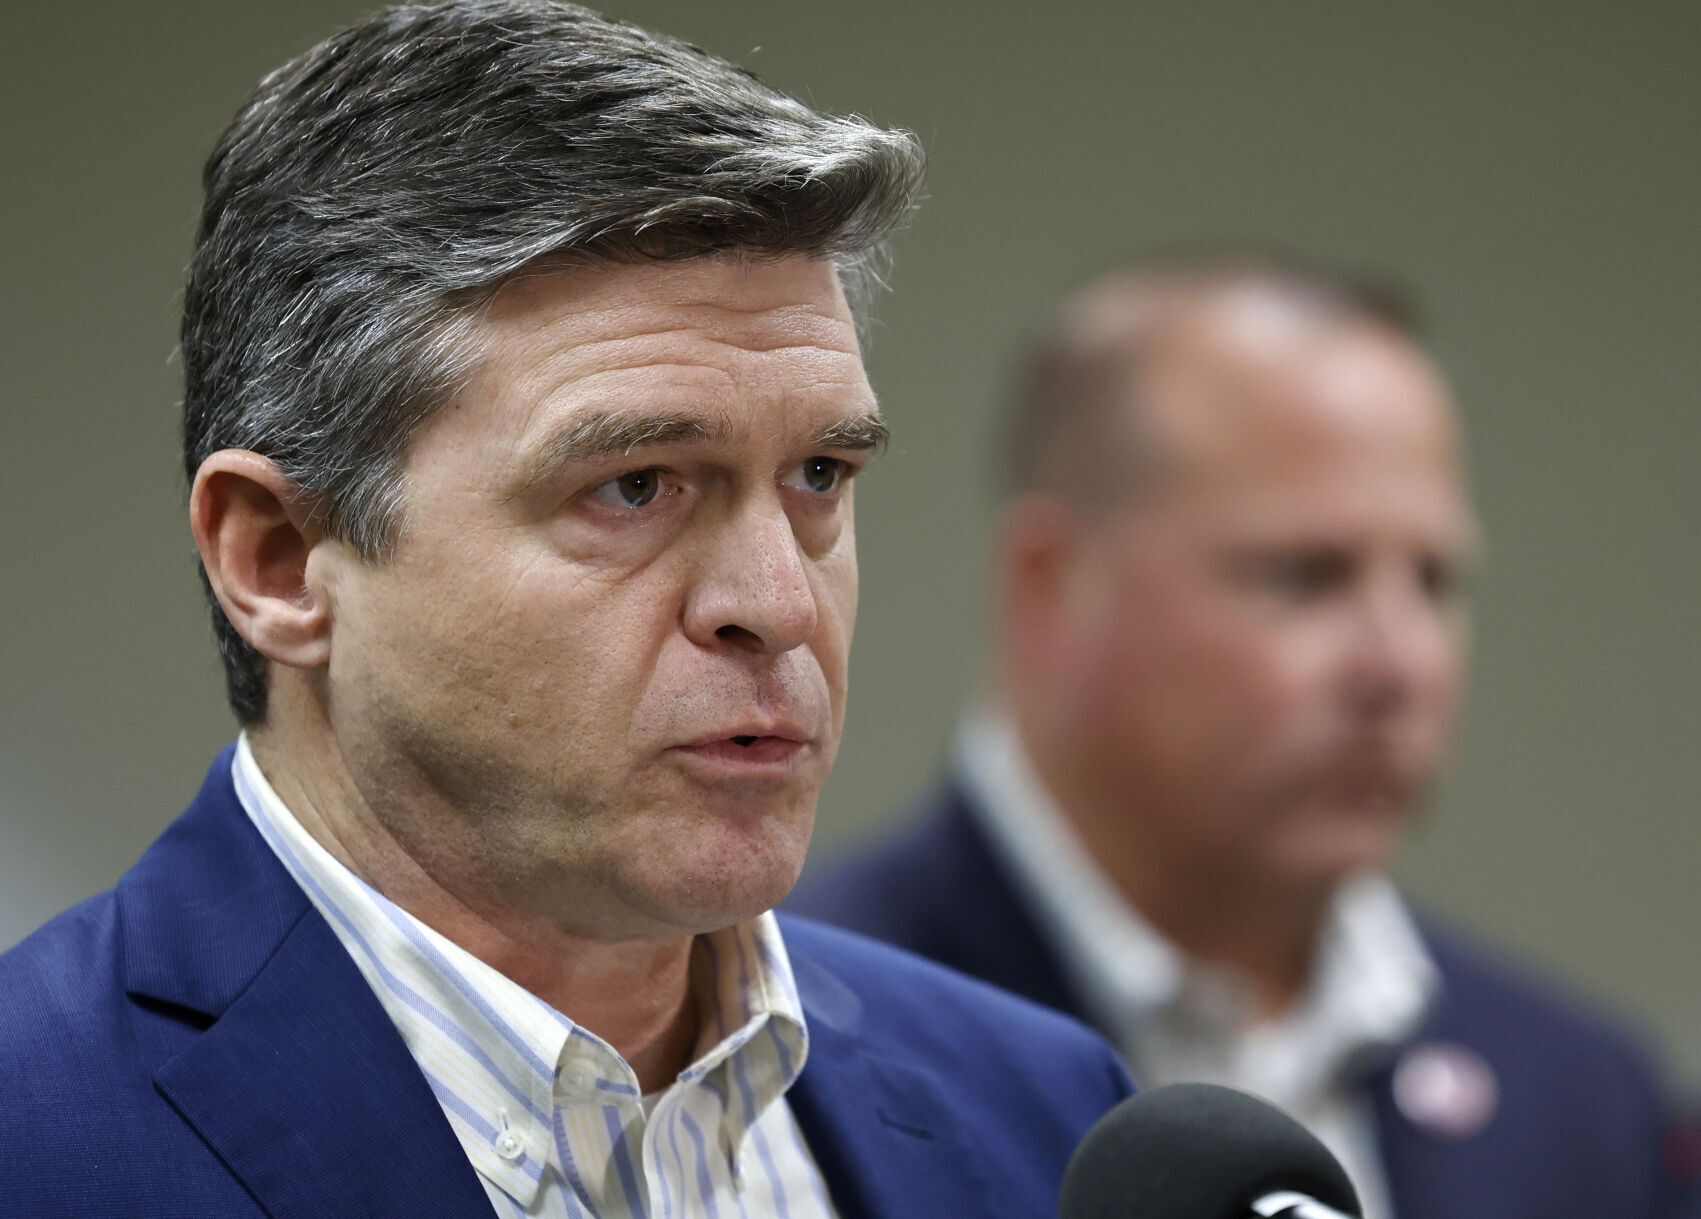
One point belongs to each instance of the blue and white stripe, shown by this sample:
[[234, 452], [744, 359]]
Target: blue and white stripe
[[549, 1115]]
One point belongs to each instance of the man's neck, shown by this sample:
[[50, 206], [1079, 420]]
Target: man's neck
[[1211, 913], [633, 993], [1268, 941]]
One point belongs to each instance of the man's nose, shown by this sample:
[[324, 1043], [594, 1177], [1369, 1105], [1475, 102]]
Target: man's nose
[[753, 590], [1404, 647]]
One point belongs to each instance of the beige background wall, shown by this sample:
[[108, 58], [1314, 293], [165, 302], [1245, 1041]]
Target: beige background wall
[[1532, 169]]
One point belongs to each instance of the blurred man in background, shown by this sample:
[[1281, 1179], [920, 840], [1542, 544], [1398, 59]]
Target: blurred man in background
[[1233, 631]]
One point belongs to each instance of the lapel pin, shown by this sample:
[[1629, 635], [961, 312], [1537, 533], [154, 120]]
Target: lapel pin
[[1446, 1089]]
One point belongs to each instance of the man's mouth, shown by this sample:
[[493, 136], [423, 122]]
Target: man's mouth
[[772, 751]]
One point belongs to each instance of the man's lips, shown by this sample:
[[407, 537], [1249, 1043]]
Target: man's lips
[[1375, 772], [749, 747], [746, 751]]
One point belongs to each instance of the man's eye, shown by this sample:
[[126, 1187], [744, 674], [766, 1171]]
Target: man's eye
[[1305, 574], [819, 475], [632, 490], [1441, 580]]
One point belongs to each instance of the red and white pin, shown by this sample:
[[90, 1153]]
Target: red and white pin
[[1446, 1089]]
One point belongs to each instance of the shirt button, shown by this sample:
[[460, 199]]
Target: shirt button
[[510, 1146], [577, 1077]]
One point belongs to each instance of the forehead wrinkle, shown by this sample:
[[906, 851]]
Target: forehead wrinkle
[[790, 326], [555, 367], [800, 313], [745, 339], [758, 328]]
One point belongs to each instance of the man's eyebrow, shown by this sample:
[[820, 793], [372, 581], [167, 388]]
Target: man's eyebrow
[[858, 432], [608, 432]]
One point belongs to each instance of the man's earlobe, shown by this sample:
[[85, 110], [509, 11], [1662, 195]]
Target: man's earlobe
[[255, 532]]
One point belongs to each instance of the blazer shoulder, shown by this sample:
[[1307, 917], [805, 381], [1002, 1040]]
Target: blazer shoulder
[[63, 1031], [1489, 993], [65, 968]]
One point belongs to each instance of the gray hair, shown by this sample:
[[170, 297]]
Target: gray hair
[[372, 195], [1065, 430]]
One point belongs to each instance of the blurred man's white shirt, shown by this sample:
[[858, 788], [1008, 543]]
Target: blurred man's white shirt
[[1178, 1020]]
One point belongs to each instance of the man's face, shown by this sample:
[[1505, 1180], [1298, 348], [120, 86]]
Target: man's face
[[602, 679], [1267, 644]]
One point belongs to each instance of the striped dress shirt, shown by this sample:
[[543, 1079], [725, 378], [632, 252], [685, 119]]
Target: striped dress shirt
[[550, 1116]]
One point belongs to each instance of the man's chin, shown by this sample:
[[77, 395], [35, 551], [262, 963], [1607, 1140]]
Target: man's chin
[[722, 883], [1344, 845], [702, 910]]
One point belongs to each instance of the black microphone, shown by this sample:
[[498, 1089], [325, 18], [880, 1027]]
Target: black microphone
[[1198, 1151]]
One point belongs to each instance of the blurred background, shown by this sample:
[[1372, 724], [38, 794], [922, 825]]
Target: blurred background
[[1531, 170]]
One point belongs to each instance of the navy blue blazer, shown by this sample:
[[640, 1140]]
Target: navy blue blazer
[[196, 1042], [1579, 1122]]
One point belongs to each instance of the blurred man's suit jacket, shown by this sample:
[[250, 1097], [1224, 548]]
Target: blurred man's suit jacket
[[1579, 1122]]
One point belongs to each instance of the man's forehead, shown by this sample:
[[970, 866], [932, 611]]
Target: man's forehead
[[757, 301], [715, 338], [1254, 382], [1281, 427]]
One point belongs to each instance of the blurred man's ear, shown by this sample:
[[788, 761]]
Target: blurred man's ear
[[255, 532], [1033, 559]]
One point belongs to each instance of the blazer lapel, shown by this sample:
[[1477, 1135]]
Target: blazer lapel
[[883, 1133], [986, 928], [304, 1089], [287, 1066]]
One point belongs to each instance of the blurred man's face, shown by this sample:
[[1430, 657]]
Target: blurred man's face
[[603, 677], [1264, 650]]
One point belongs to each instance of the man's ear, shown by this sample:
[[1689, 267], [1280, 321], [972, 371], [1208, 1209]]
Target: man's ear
[[1035, 549], [255, 531]]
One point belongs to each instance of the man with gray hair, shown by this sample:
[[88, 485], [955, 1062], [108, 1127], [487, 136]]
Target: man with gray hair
[[523, 401], [1231, 588]]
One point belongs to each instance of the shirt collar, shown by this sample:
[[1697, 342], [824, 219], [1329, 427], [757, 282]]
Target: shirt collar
[[750, 1016], [500, 1059], [1372, 985]]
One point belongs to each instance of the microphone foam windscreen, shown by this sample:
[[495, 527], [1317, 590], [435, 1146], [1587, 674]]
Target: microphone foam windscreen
[[1196, 1151]]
